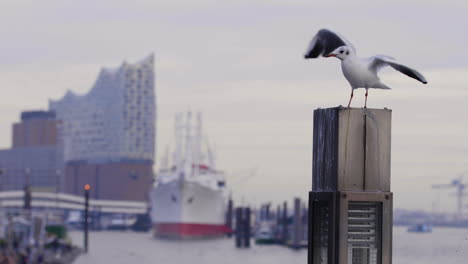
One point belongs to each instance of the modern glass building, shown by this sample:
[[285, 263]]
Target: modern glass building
[[115, 120]]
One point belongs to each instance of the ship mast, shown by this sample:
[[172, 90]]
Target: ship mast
[[177, 155], [197, 145], [188, 162], [211, 157], [165, 159]]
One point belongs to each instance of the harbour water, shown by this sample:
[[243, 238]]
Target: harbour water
[[443, 245]]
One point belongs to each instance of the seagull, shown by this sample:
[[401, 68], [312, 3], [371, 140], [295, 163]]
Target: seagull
[[360, 72]]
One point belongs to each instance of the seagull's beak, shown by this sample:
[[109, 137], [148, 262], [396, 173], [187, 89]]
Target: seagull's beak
[[330, 55]]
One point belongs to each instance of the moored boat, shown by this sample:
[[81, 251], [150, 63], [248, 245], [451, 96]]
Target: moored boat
[[420, 228]]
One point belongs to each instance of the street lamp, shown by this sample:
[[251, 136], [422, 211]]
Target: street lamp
[[57, 187], [2, 171]]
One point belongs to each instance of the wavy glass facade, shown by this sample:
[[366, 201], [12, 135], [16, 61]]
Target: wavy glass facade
[[115, 120]]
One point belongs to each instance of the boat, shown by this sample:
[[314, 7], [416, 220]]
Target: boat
[[265, 233], [188, 198], [120, 222], [142, 223], [420, 228]]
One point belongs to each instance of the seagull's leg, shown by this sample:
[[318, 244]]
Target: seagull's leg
[[351, 98], [367, 92]]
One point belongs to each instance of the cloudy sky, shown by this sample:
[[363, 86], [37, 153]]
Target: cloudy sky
[[240, 63]]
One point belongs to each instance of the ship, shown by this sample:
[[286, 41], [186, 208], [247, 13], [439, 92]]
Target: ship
[[188, 199]]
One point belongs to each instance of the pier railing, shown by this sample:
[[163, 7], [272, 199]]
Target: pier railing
[[14, 199]]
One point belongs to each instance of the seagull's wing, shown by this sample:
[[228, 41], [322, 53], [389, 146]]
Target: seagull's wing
[[324, 42], [379, 61], [348, 43]]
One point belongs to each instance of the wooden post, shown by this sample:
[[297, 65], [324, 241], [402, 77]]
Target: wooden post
[[351, 149], [278, 224], [278, 215], [229, 216], [304, 223], [297, 223], [267, 212], [350, 185], [246, 227], [284, 220], [239, 228]]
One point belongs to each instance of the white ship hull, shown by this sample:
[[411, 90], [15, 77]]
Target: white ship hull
[[187, 209]]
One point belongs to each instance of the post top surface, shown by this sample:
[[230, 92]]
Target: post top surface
[[340, 107]]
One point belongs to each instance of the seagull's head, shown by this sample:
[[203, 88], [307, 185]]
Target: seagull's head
[[341, 52]]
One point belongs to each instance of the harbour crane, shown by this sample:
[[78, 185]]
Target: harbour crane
[[460, 192]]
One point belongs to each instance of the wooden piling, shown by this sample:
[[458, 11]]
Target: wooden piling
[[350, 186], [239, 227], [229, 215], [267, 211], [278, 215], [243, 230], [297, 224], [351, 149], [284, 236], [262, 212], [246, 233]]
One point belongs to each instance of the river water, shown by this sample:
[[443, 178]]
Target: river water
[[443, 245]]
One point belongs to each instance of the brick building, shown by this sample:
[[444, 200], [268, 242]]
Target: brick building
[[35, 157]]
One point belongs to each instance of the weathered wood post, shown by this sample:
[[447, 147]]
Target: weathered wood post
[[284, 229], [246, 227], [239, 227], [267, 211], [278, 224], [297, 224], [243, 227], [229, 215], [261, 215], [278, 214], [351, 204], [305, 223]]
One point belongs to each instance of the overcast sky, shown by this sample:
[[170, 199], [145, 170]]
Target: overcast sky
[[241, 63]]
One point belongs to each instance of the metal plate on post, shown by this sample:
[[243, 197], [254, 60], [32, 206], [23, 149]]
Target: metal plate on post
[[378, 150], [351, 142], [384, 199]]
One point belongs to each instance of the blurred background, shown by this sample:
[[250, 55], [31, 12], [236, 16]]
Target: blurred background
[[91, 91]]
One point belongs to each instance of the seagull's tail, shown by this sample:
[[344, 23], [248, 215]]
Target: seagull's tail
[[382, 86]]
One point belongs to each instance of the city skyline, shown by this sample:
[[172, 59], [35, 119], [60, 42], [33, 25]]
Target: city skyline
[[104, 138], [241, 64]]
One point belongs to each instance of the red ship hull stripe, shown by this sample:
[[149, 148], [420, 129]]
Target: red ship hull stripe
[[190, 230]]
